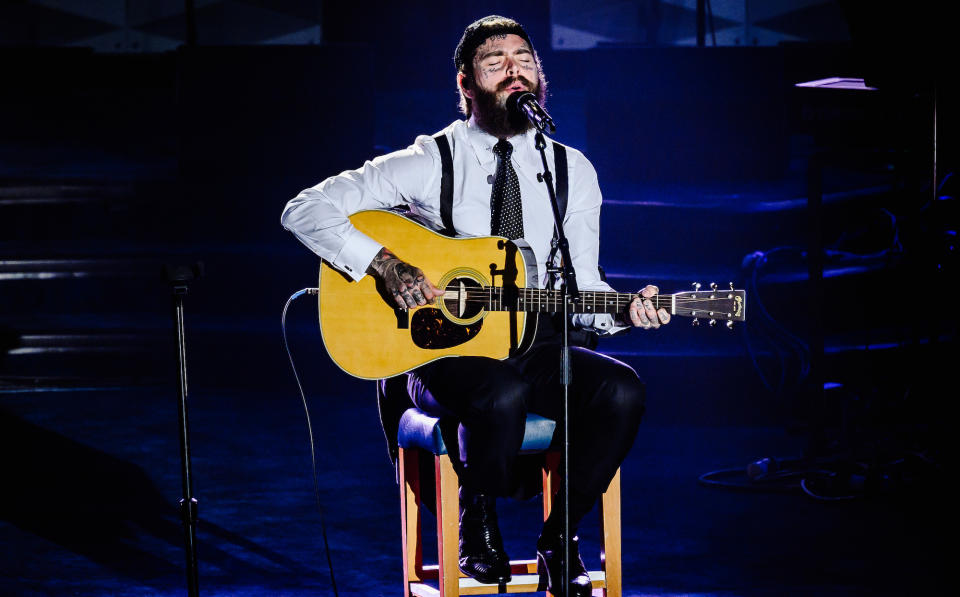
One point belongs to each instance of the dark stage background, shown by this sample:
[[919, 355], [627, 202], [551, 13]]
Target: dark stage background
[[129, 140]]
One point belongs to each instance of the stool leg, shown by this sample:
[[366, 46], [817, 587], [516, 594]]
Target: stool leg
[[610, 526], [448, 527], [551, 478], [409, 471], [551, 466]]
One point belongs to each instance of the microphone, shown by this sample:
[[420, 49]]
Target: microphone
[[525, 103]]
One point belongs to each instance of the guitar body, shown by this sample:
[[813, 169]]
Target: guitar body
[[368, 338]]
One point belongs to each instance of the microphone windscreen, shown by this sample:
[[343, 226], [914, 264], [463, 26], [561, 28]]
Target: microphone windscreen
[[516, 99]]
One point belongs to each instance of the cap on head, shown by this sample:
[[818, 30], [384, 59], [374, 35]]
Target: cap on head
[[477, 32]]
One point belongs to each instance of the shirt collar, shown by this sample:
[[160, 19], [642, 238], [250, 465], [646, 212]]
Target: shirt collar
[[483, 142]]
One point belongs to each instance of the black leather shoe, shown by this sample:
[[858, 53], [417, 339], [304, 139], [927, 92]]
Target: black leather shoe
[[481, 547], [549, 558]]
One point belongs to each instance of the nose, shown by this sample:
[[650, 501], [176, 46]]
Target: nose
[[510, 66]]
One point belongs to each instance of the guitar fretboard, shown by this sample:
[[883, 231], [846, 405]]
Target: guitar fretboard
[[714, 303], [537, 300]]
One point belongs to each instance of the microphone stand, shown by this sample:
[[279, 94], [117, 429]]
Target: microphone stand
[[179, 278], [569, 292]]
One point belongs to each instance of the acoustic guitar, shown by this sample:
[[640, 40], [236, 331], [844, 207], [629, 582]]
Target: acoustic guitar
[[489, 306]]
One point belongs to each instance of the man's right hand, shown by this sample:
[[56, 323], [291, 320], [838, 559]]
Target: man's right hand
[[404, 282]]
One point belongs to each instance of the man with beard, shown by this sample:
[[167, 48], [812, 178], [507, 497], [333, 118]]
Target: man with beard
[[496, 191]]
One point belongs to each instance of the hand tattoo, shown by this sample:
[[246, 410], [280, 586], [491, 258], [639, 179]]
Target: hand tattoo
[[642, 313], [404, 282]]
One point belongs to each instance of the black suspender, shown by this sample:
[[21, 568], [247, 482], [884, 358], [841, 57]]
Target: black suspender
[[560, 174], [560, 165], [446, 181], [446, 185]]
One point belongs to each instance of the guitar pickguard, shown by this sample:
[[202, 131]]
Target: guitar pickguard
[[429, 329]]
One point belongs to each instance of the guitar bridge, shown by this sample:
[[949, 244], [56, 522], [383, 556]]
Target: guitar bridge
[[403, 318]]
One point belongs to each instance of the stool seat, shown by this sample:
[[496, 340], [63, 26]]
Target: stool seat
[[422, 431]]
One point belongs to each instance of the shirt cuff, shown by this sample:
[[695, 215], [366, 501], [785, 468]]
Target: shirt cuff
[[603, 323], [356, 254]]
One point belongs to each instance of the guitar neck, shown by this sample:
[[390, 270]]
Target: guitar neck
[[713, 303], [538, 300]]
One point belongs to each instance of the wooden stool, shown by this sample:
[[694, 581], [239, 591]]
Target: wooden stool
[[419, 431]]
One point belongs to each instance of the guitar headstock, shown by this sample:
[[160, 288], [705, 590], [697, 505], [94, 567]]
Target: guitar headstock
[[713, 304]]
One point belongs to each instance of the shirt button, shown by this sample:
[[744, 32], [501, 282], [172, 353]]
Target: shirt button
[[489, 178]]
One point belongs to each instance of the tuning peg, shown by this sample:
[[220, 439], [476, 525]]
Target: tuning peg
[[695, 322], [712, 322], [729, 324], [696, 285], [713, 285]]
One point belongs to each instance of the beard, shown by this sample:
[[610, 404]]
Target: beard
[[491, 114]]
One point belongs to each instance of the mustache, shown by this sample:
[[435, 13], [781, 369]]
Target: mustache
[[506, 83]]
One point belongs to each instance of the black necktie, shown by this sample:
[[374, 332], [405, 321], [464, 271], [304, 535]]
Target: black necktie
[[506, 210]]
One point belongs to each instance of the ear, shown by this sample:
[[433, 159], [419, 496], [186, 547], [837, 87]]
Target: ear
[[465, 85]]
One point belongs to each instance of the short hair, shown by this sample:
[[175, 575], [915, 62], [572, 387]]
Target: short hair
[[473, 37]]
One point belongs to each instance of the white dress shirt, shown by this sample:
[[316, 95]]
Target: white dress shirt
[[411, 177]]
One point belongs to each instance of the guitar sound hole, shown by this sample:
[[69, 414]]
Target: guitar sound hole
[[460, 289], [430, 329]]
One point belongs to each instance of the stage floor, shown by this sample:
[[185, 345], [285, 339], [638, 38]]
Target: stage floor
[[92, 478]]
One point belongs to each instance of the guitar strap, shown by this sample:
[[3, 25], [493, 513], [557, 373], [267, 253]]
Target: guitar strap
[[446, 183]]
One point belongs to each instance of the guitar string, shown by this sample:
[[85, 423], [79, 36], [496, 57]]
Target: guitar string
[[601, 296], [486, 289], [486, 297], [680, 310], [592, 296], [598, 293]]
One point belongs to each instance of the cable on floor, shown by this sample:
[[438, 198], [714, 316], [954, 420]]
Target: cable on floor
[[306, 410]]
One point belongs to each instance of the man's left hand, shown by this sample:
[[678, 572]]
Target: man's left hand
[[641, 312]]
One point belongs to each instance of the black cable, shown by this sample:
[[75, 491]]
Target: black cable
[[763, 328], [842, 477], [784, 476], [781, 341], [313, 457]]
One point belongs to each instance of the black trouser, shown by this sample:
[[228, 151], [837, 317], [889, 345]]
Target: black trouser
[[491, 399]]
